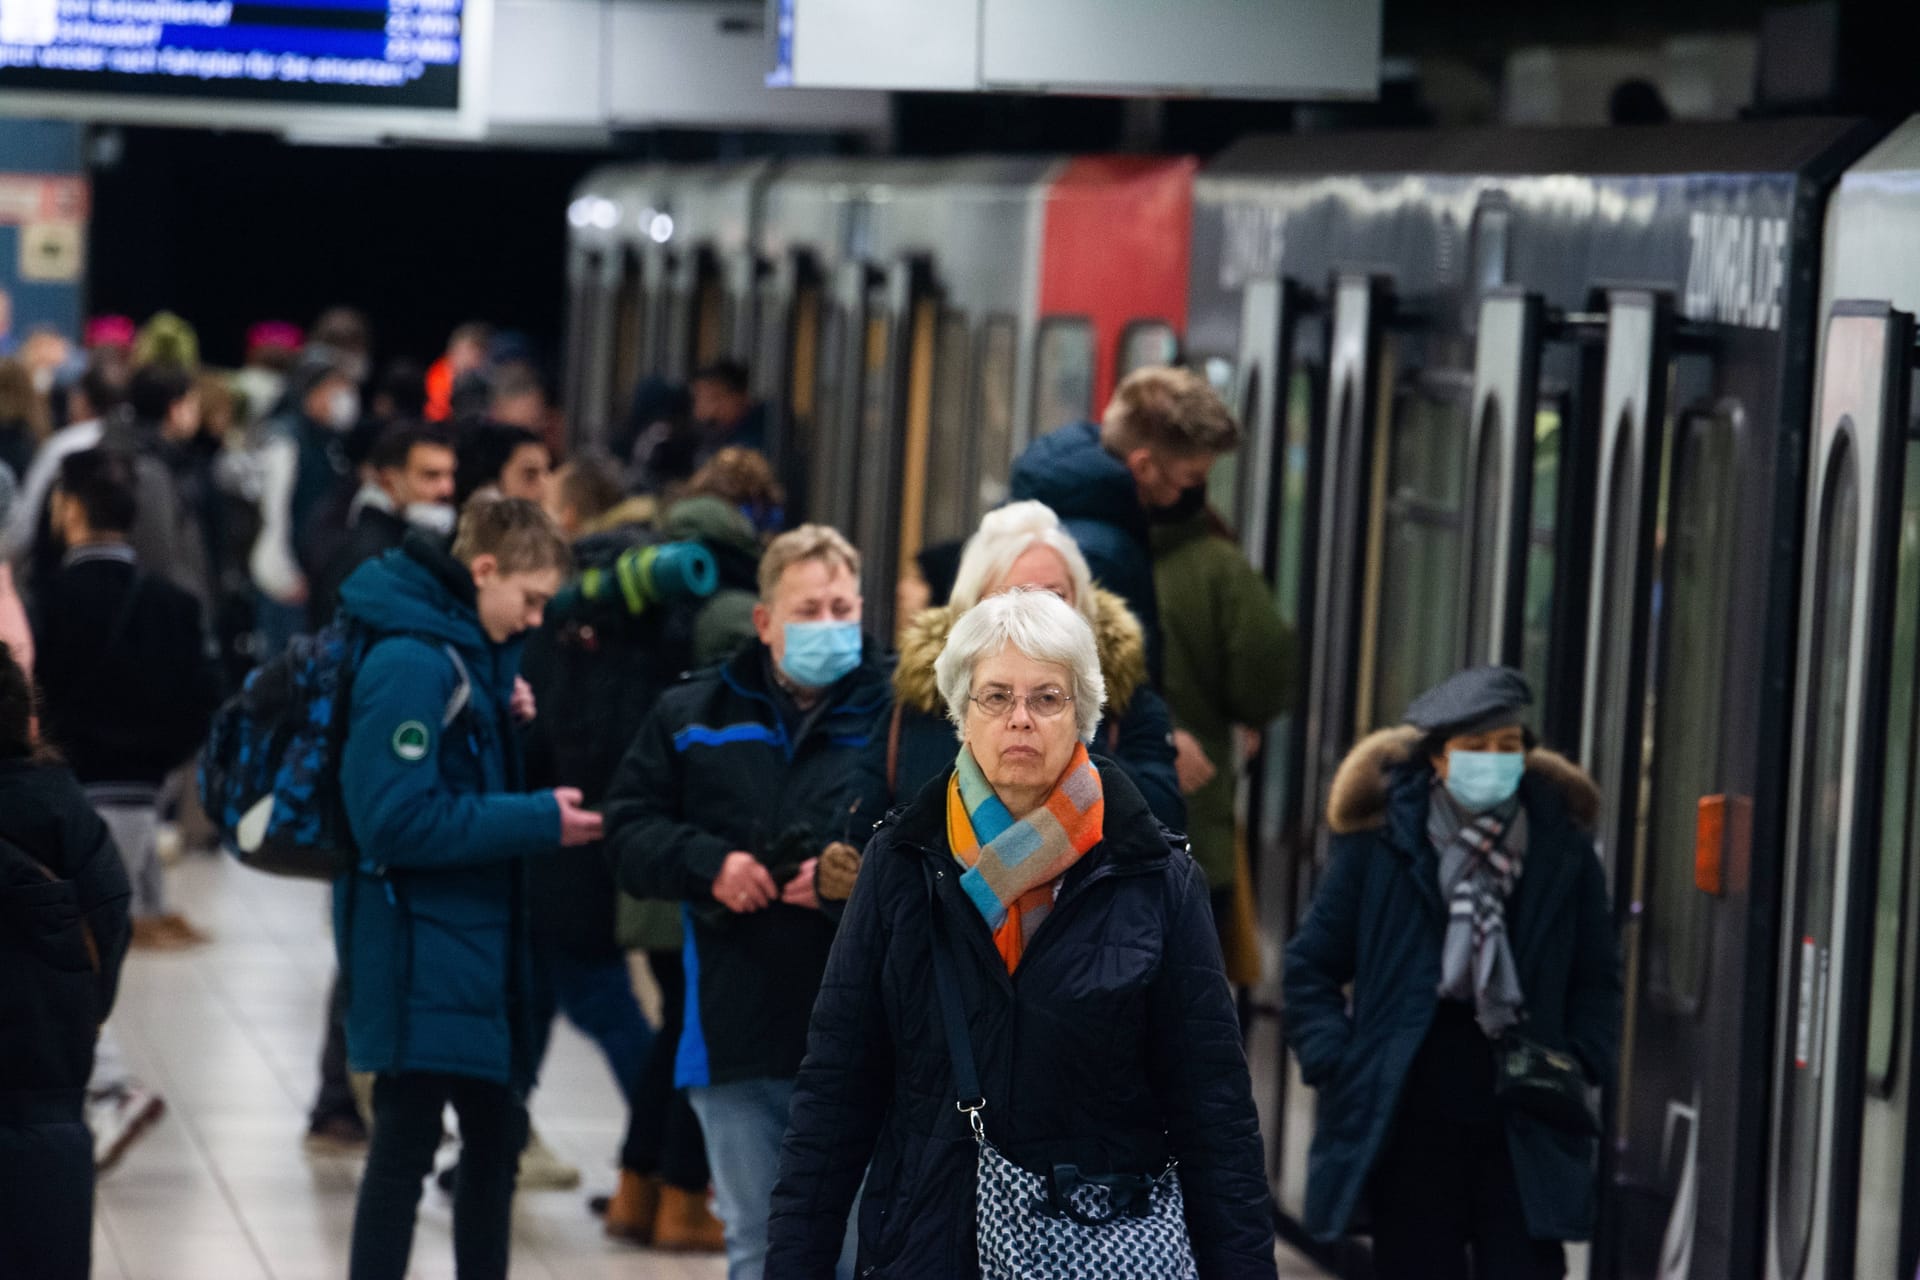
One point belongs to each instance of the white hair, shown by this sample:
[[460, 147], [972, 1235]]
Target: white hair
[[1038, 624], [1003, 537]]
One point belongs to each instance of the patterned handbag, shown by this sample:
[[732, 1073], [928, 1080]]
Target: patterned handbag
[[1068, 1225]]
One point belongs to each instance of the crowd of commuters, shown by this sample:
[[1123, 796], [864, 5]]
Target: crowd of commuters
[[622, 714]]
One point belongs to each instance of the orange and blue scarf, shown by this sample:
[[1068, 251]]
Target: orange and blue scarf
[[1013, 864]]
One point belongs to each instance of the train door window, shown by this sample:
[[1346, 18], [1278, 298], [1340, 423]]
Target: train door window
[[1482, 554], [1696, 548], [950, 471], [1821, 801], [1542, 529], [826, 489], [803, 366], [629, 332], [999, 347], [769, 339], [1146, 344], [712, 317], [875, 459], [1422, 552], [1223, 482], [1063, 380]]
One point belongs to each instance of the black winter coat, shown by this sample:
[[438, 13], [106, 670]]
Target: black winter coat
[[374, 532], [63, 933], [1113, 1046], [126, 667], [726, 763], [1376, 928]]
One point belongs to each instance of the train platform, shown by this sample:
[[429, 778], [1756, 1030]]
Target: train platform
[[223, 1187]]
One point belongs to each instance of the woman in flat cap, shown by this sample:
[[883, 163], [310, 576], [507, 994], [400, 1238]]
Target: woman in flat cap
[[1454, 995]]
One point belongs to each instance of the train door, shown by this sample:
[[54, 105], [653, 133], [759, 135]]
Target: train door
[[699, 314], [629, 344], [1273, 383], [1855, 468], [846, 345], [1887, 1225], [995, 397], [896, 431], [589, 344], [791, 352]]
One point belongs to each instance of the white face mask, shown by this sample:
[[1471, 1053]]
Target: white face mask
[[343, 409], [433, 517], [43, 379]]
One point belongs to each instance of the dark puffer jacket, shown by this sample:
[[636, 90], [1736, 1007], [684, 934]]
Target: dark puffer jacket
[[1113, 1046], [1376, 928], [1137, 731], [1097, 500], [726, 762]]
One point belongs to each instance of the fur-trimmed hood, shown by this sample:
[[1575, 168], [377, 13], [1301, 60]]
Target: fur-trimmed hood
[[1122, 646], [1364, 782]]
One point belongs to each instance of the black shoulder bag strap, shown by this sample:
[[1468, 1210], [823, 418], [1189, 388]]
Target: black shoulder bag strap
[[969, 1100]]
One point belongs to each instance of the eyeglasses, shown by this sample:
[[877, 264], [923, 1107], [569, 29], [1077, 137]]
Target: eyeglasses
[[1042, 704]]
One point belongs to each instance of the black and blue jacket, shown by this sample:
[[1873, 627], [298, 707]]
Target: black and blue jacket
[[727, 762]]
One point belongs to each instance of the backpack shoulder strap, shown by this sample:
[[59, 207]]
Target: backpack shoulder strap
[[462, 692]]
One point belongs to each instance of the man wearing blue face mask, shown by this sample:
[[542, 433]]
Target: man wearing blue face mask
[[1466, 913], [740, 779]]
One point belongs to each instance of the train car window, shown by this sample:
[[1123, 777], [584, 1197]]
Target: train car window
[[1885, 997], [629, 333], [999, 347], [1483, 553], [1147, 343], [1822, 796], [950, 478], [1419, 625], [713, 318], [826, 490], [1063, 377], [1696, 548], [1537, 624], [875, 426]]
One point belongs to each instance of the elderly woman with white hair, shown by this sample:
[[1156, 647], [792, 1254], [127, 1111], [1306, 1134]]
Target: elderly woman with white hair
[[1024, 545], [1024, 1012]]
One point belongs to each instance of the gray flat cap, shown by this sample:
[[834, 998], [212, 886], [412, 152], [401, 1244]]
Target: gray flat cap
[[1471, 701]]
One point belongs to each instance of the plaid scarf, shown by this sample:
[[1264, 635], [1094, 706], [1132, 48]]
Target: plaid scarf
[[1481, 857], [1013, 865]]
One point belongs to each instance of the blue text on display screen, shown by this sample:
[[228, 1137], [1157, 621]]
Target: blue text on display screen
[[375, 53]]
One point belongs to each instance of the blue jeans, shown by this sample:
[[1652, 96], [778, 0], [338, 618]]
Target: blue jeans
[[744, 1123], [597, 997]]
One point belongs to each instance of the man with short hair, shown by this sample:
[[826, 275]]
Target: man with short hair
[[407, 484], [517, 397], [431, 922], [508, 460], [1150, 454], [740, 779]]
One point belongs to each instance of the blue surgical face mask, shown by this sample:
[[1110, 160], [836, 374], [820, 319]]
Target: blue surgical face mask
[[1482, 780], [819, 653]]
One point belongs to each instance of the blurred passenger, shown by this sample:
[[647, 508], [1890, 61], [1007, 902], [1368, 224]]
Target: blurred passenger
[[1029, 899], [724, 414], [1454, 993], [98, 396], [408, 486], [432, 944], [129, 680], [63, 935], [399, 394], [165, 399], [1229, 662], [581, 492], [517, 397], [510, 461], [273, 348], [466, 353], [343, 334], [301, 459], [25, 422], [166, 339], [661, 411], [50, 358], [1023, 545], [15, 632], [744, 478], [109, 343], [1159, 437], [738, 783]]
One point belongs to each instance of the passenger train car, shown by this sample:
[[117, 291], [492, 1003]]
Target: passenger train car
[[1626, 409]]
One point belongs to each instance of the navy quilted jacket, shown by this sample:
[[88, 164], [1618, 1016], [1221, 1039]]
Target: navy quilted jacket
[[1114, 1045], [432, 926]]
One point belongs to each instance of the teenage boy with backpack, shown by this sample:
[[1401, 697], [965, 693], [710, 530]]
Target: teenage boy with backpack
[[431, 922]]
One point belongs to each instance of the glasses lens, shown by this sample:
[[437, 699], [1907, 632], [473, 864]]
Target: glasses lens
[[1048, 703], [997, 703]]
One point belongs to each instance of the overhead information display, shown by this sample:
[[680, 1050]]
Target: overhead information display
[[361, 53]]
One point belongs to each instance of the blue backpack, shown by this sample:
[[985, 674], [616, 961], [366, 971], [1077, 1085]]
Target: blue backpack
[[270, 771]]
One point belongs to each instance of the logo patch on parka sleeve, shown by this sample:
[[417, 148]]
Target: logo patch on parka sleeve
[[411, 741]]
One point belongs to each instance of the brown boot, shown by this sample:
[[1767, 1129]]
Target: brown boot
[[631, 1211], [685, 1224]]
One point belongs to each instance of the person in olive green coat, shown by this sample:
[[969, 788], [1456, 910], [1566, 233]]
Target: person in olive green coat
[[1229, 661]]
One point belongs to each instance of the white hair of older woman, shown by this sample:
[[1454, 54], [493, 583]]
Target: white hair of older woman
[[1038, 624], [1003, 537]]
